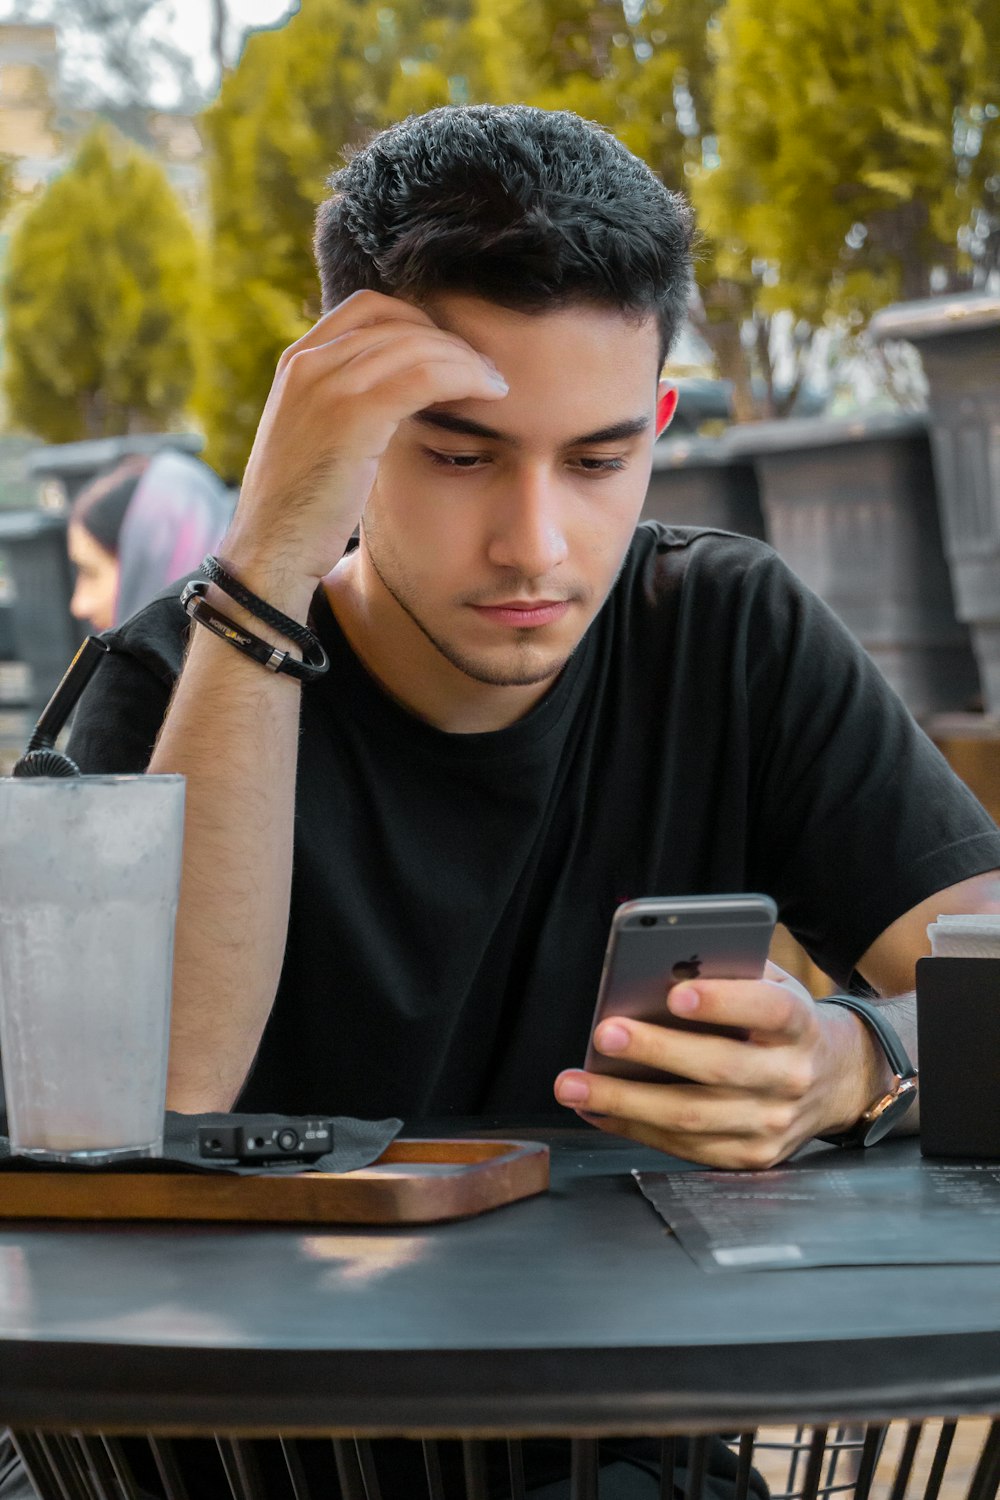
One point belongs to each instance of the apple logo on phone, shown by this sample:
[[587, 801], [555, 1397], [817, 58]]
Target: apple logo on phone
[[686, 968]]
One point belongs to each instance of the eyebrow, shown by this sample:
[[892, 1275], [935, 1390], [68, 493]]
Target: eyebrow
[[466, 427]]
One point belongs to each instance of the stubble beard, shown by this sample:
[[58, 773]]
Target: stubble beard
[[516, 671]]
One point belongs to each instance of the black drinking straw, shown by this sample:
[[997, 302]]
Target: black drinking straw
[[39, 758]]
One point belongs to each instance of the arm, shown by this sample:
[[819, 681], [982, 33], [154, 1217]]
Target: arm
[[231, 730], [889, 963], [338, 396], [805, 1069]]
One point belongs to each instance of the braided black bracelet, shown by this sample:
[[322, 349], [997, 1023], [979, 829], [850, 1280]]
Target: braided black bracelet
[[315, 660], [300, 634]]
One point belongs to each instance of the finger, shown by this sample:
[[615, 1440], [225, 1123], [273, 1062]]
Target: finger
[[359, 310], [403, 385], [416, 347], [415, 344], [717, 1127], [713, 1060], [725, 1152], [680, 1109], [767, 1010]]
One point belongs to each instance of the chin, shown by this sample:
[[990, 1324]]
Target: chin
[[510, 671]]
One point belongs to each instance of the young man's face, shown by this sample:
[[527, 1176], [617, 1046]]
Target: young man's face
[[498, 527]]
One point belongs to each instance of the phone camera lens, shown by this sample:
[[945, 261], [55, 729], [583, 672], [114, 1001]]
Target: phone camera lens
[[288, 1140], [647, 921]]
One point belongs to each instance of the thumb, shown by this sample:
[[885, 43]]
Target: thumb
[[777, 975]]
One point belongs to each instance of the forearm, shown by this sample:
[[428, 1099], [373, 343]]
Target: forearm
[[338, 396], [232, 731], [889, 964]]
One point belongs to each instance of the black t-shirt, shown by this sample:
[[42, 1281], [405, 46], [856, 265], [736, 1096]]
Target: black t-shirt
[[717, 730]]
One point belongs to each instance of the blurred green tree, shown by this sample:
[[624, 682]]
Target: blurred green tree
[[300, 95], [834, 158], [647, 73], [857, 153], [99, 299], [340, 70], [8, 183]]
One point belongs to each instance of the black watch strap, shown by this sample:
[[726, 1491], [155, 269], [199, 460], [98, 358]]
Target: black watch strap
[[890, 1108]]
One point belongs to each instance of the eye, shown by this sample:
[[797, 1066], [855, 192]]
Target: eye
[[601, 465], [455, 460]]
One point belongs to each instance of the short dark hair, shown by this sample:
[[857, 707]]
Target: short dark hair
[[527, 208]]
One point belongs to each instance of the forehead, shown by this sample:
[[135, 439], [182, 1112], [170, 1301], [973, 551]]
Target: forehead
[[83, 549], [597, 351]]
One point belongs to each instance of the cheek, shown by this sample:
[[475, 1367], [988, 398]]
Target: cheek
[[399, 489], [612, 510], [415, 509], [103, 592], [399, 516]]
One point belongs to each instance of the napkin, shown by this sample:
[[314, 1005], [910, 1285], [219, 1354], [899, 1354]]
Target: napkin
[[974, 936], [356, 1144]]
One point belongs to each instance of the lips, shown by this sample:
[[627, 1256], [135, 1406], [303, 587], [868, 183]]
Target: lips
[[524, 614]]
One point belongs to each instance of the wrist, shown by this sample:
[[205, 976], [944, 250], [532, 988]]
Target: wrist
[[885, 1076], [291, 593], [279, 577], [860, 1067], [310, 662]]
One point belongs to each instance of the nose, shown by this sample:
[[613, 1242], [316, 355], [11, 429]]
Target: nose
[[78, 605], [529, 535]]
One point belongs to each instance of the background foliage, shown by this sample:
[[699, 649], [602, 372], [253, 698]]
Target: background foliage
[[839, 157], [339, 71], [99, 299], [857, 147]]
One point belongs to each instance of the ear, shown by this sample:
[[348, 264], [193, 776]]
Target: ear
[[666, 405]]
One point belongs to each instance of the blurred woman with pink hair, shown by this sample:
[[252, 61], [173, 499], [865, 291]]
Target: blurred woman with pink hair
[[137, 528]]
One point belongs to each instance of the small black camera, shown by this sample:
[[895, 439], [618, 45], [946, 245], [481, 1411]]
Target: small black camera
[[260, 1139]]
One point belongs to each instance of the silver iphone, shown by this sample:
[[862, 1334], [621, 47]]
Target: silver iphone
[[656, 942]]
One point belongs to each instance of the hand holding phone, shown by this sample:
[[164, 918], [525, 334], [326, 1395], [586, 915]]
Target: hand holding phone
[[657, 942]]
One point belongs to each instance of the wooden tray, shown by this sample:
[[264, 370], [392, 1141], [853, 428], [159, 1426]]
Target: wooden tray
[[413, 1182]]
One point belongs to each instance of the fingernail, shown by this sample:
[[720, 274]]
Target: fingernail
[[494, 373], [572, 1091], [682, 1002], [612, 1038]]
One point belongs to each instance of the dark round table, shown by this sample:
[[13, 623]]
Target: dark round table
[[575, 1312]]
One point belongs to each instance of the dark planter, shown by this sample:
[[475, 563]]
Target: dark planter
[[69, 466], [850, 505], [45, 635], [959, 343], [700, 400], [697, 482], [18, 489]]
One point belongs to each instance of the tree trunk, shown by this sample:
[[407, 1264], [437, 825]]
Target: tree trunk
[[731, 357], [218, 43], [719, 319]]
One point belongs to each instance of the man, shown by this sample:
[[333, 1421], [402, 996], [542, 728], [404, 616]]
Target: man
[[399, 877]]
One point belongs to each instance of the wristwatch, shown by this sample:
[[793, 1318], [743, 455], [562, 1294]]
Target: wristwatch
[[888, 1109]]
